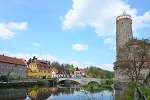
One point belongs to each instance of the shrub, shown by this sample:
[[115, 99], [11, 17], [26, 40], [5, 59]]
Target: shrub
[[84, 86], [90, 86], [36, 87], [109, 82]]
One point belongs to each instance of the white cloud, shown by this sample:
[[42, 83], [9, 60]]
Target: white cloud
[[36, 44], [17, 55], [80, 47], [101, 15], [111, 42], [106, 67], [27, 56], [48, 57], [80, 65], [7, 31], [53, 58], [19, 26]]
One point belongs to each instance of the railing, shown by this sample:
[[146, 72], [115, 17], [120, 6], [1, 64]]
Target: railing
[[142, 96]]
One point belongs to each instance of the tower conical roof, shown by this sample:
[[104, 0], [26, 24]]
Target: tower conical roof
[[124, 15]]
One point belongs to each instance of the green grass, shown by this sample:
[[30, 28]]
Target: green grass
[[128, 92], [146, 90]]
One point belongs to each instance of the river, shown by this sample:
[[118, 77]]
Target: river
[[56, 93]]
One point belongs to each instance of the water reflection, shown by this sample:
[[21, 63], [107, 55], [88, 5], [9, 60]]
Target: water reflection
[[55, 93], [12, 94], [119, 93], [81, 94], [41, 93]]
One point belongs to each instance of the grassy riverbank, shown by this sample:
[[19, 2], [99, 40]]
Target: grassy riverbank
[[107, 84], [128, 92], [145, 90], [20, 84], [95, 86]]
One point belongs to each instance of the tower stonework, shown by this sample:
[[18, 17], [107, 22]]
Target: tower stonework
[[123, 30], [123, 35]]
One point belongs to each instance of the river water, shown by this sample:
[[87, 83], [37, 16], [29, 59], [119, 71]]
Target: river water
[[55, 93]]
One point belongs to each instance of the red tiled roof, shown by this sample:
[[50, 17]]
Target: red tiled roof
[[136, 41], [82, 70], [61, 72], [41, 64], [12, 60], [55, 70]]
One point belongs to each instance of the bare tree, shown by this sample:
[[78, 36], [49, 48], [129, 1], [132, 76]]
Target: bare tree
[[134, 57]]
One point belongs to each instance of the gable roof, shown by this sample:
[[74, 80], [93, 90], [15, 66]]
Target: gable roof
[[12, 60], [41, 64], [54, 69]]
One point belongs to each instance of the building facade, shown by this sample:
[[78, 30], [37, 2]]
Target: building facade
[[54, 72], [13, 67], [39, 69]]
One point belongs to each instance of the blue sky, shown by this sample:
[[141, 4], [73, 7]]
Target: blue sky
[[79, 32]]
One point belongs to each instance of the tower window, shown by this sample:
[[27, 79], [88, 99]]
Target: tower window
[[122, 22]]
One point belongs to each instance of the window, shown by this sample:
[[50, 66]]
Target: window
[[20, 68], [1, 66], [10, 67]]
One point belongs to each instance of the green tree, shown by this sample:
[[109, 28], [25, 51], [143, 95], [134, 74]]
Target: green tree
[[49, 63], [56, 65], [90, 75], [34, 58], [29, 61], [98, 73], [71, 68]]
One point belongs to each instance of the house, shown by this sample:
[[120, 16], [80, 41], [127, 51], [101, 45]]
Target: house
[[79, 73], [54, 72], [72, 75], [13, 67], [60, 74], [39, 69]]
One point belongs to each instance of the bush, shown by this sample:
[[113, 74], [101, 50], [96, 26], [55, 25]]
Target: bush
[[4, 78], [36, 87], [84, 86], [99, 85], [146, 90], [90, 86], [128, 92], [109, 82], [40, 82]]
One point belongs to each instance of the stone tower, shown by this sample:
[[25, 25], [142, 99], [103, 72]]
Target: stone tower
[[123, 30]]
